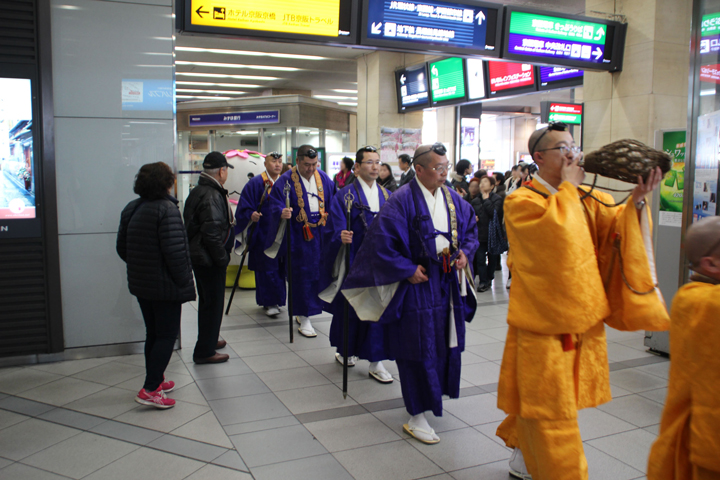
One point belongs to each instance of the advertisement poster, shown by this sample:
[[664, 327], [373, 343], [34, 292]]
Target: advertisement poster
[[395, 142], [706, 166], [469, 140], [17, 184], [673, 186]]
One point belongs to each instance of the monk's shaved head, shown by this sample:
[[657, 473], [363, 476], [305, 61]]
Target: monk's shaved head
[[422, 155], [703, 240]]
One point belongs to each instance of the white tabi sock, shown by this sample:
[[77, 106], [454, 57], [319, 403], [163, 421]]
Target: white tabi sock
[[305, 323], [419, 421], [378, 367]]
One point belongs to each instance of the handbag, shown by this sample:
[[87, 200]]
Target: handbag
[[497, 241]]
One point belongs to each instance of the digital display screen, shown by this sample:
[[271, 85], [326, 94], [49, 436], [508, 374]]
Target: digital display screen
[[710, 33], [550, 75], [581, 42], [710, 73], [570, 113], [447, 80], [475, 79], [412, 87], [509, 77], [17, 176], [148, 95], [431, 25], [324, 20]]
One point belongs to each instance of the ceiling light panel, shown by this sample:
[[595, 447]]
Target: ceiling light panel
[[225, 75], [192, 90], [238, 65], [208, 84], [251, 54]]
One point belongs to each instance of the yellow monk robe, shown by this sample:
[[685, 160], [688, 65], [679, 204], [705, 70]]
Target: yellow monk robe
[[564, 290], [688, 447]]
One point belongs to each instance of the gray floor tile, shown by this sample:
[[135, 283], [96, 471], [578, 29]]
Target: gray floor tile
[[143, 460], [24, 472], [213, 472], [231, 459], [385, 404], [488, 351], [490, 471], [489, 430], [163, 420], [318, 356], [260, 425], [618, 353], [187, 448], [351, 432], [396, 418], [111, 373], [661, 370], [4, 462], [228, 387], [595, 423], [63, 391], [127, 433], [303, 343], [288, 443], [108, 403], [248, 409], [633, 380], [334, 372], [71, 367], [602, 466], [73, 419], [618, 392], [313, 399], [654, 429], [313, 468], [634, 409], [473, 337], [462, 449], [29, 437], [656, 395], [231, 368], [234, 337], [631, 447], [389, 461], [8, 419], [293, 378], [475, 410], [640, 362], [331, 414], [369, 390], [275, 361], [481, 373], [21, 380], [250, 349], [189, 393], [80, 455], [499, 333], [205, 429]]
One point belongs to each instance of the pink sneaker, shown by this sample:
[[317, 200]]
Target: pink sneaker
[[156, 399], [167, 385]]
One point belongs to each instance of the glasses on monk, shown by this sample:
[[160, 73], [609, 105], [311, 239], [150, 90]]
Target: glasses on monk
[[436, 147], [274, 155], [310, 153], [552, 127], [442, 168], [564, 150]]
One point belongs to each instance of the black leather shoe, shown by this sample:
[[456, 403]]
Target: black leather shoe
[[217, 358], [221, 344]]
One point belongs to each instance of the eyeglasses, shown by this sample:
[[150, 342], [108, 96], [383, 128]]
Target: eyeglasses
[[564, 150], [310, 153], [442, 168], [436, 147], [552, 126], [275, 155]]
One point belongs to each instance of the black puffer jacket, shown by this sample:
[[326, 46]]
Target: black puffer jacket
[[152, 241], [208, 224], [485, 209]]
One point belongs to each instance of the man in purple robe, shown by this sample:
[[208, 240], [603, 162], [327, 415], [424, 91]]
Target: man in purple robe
[[251, 227], [411, 274], [311, 191], [366, 197]]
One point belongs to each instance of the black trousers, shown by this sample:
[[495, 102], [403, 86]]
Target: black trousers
[[211, 298], [485, 263], [162, 324]]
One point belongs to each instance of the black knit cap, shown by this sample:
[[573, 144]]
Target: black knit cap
[[215, 160]]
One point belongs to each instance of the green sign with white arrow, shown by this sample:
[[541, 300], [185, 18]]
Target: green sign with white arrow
[[558, 28]]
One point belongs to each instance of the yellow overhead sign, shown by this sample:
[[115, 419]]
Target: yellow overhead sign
[[309, 17]]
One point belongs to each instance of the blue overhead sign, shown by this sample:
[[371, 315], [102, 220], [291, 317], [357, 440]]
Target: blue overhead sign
[[468, 28], [240, 118]]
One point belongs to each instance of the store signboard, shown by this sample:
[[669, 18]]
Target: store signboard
[[559, 77], [330, 21], [510, 78], [710, 33], [673, 185], [570, 113], [710, 73], [475, 78], [447, 80], [462, 27], [239, 118], [412, 88], [581, 42], [147, 95]]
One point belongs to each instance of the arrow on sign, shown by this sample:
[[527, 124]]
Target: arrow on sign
[[199, 11], [599, 34], [435, 71], [402, 79], [375, 29], [598, 53], [480, 17]]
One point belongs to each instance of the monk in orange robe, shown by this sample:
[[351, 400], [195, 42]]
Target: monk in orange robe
[[688, 447], [576, 265]]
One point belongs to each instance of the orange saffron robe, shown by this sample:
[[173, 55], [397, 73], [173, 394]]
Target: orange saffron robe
[[688, 447]]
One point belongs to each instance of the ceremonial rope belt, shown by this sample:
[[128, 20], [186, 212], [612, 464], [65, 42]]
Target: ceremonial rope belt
[[362, 207], [302, 216]]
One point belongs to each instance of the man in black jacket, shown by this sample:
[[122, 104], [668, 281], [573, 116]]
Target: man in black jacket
[[405, 165], [209, 221]]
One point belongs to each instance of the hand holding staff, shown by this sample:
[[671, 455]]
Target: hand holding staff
[[346, 314], [286, 191]]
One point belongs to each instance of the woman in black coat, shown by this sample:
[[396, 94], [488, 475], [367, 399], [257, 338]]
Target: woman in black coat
[[486, 204], [153, 243], [386, 178]]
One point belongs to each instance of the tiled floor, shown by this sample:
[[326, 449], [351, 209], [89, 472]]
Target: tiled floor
[[276, 411]]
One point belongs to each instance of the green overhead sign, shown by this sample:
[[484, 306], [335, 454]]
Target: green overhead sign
[[710, 24], [557, 28], [447, 79]]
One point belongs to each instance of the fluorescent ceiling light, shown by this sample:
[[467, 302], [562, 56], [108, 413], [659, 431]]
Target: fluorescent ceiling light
[[248, 53], [340, 90], [249, 132], [239, 65], [209, 84], [704, 93], [204, 96], [226, 92], [349, 104], [223, 75], [334, 97]]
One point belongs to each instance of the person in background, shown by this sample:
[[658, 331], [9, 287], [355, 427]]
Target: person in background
[[152, 242], [513, 181], [386, 178], [525, 175], [480, 173], [345, 176], [459, 183], [408, 174], [209, 222], [499, 184], [285, 168], [486, 204], [473, 189]]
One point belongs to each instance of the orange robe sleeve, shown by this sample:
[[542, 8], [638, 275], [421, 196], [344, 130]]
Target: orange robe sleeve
[[689, 441]]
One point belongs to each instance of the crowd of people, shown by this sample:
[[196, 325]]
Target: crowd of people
[[415, 248]]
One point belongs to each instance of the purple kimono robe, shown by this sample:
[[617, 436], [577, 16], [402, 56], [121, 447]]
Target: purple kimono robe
[[419, 330], [306, 255], [269, 272], [365, 338]]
